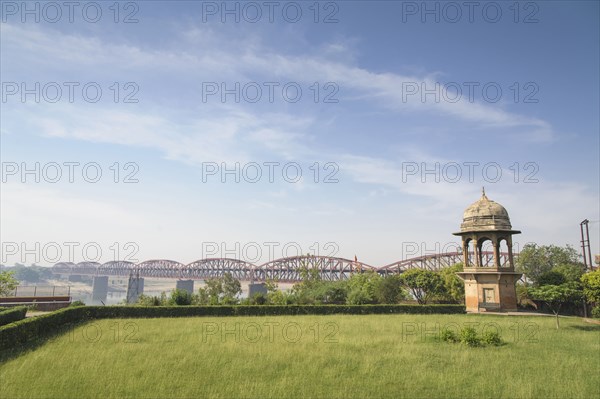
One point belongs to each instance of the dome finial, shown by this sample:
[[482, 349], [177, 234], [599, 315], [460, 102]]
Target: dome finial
[[485, 215]]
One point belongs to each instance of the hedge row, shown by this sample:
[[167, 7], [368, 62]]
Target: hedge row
[[100, 312], [21, 332], [10, 315]]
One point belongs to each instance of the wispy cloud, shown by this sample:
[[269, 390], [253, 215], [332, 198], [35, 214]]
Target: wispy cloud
[[251, 59]]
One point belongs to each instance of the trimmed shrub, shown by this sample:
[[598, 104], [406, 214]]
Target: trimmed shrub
[[11, 315], [265, 310], [468, 336], [258, 299], [596, 312], [180, 298], [23, 331], [492, 338], [448, 335]]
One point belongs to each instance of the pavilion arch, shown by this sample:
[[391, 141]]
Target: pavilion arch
[[469, 252], [503, 248], [485, 245]]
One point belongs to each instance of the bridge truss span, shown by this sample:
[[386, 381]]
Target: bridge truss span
[[159, 268], [290, 269], [217, 267], [116, 268], [435, 262]]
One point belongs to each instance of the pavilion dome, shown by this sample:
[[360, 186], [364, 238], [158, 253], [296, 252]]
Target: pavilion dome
[[485, 215]]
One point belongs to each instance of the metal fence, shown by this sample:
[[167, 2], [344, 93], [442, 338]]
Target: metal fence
[[41, 290]]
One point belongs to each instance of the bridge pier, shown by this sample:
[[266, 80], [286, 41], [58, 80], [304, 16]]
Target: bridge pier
[[256, 288], [185, 285], [135, 288], [99, 288]]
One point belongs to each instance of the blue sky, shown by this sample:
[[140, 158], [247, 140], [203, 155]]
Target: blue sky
[[375, 134]]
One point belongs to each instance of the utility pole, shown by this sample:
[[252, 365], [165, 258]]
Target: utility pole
[[585, 244], [587, 256]]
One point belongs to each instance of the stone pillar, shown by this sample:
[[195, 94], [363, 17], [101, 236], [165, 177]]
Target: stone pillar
[[465, 247], [99, 288], [496, 244], [477, 254], [185, 285], [135, 288], [510, 252]]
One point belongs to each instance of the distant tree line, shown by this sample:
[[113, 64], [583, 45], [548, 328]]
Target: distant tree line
[[424, 286], [30, 274], [555, 277]]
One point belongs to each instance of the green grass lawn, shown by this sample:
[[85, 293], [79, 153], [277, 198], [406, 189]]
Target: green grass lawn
[[309, 356]]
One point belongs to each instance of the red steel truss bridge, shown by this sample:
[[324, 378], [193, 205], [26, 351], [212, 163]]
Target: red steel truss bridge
[[281, 270]]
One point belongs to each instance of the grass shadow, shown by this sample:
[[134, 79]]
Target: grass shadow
[[31, 346], [591, 327]]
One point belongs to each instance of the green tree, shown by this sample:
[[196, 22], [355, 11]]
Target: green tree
[[363, 287], [563, 273], [306, 290], [551, 277], [27, 273], [180, 297], [423, 284], [201, 297], [572, 272], [231, 289], [453, 289], [275, 296], [271, 286], [336, 292], [221, 290], [591, 286], [214, 289], [536, 260], [556, 295], [390, 290], [258, 298], [330, 292], [280, 298], [148, 300], [8, 283]]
